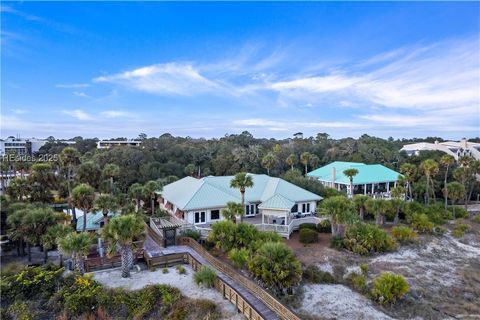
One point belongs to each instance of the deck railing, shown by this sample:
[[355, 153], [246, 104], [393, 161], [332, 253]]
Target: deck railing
[[282, 311]]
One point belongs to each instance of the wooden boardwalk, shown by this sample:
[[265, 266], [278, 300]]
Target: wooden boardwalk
[[226, 285]]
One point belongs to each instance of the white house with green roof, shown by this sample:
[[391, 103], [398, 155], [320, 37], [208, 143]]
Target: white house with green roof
[[372, 179], [200, 201]]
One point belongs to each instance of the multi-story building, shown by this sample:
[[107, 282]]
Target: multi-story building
[[107, 144]]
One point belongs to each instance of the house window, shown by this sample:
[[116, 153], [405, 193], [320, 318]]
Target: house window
[[247, 209], [214, 214], [200, 217], [250, 210], [304, 207], [308, 207], [294, 208]]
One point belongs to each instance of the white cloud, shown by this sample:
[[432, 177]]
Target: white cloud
[[18, 111], [115, 114], [167, 78], [78, 114], [73, 85], [274, 125], [80, 94]]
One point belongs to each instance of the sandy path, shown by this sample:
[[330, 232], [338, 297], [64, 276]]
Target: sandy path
[[139, 279], [334, 301]]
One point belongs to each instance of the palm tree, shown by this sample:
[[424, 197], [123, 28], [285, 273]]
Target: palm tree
[[242, 181], [111, 171], [89, 172], [430, 168], [35, 224], [106, 203], [409, 172], [395, 205], [340, 211], [150, 191], [120, 233], [78, 246], [292, 160], [18, 188], [350, 173], [41, 180], [53, 235], [398, 192], [69, 159], [83, 197], [378, 207], [305, 159], [232, 211], [456, 192], [314, 161], [446, 161], [15, 228], [135, 193], [268, 162], [359, 202]]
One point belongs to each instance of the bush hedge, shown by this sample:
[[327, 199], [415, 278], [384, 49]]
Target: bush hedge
[[205, 276], [422, 223], [404, 234], [364, 238], [313, 274], [311, 226], [324, 226], [389, 287], [308, 235]]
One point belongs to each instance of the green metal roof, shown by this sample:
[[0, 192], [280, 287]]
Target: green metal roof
[[367, 173], [214, 192], [277, 202], [93, 220]]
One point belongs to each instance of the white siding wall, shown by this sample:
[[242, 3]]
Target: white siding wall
[[190, 216]]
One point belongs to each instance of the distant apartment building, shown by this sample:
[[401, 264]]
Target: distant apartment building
[[107, 144], [20, 146]]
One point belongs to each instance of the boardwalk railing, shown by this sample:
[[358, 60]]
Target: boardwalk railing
[[282, 311]]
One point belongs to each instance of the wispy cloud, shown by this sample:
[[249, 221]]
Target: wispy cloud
[[168, 79], [18, 111], [78, 114], [116, 114], [73, 85], [80, 94]]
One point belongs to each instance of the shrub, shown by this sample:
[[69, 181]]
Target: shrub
[[206, 277], [308, 235], [313, 274], [404, 234], [223, 235], [412, 208], [82, 296], [311, 226], [363, 238], [337, 243], [324, 226], [31, 282], [460, 229], [439, 231], [476, 219], [276, 266], [239, 257], [364, 268], [421, 223], [181, 269], [194, 234], [358, 281], [460, 213], [389, 287], [165, 270], [438, 214]]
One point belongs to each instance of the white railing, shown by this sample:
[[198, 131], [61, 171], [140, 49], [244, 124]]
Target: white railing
[[203, 231]]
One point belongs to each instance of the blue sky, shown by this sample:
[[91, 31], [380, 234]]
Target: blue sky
[[105, 69]]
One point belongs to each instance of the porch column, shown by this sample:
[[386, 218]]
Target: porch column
[[388, 186], [365, 189], [395, 184], [373, 188]]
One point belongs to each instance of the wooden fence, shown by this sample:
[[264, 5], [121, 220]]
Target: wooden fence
[[282, 311]]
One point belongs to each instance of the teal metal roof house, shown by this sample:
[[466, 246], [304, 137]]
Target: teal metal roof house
[[370, 179], [94, 220], [199, 201]]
